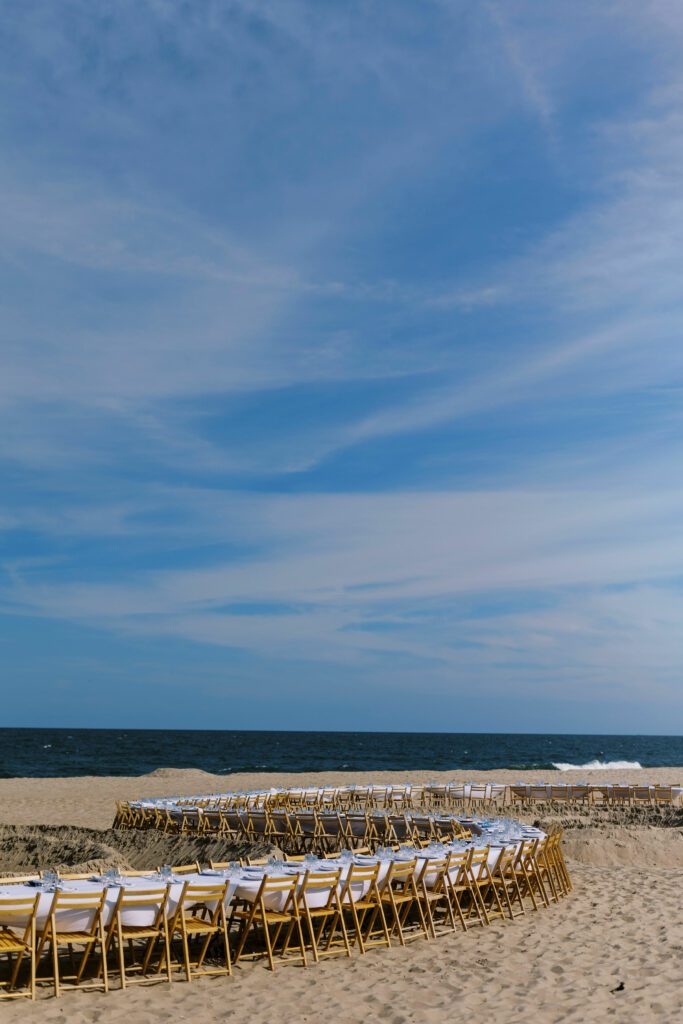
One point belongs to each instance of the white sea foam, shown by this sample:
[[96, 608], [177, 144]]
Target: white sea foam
[[594, 766]]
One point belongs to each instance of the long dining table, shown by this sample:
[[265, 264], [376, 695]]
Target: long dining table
[[242, 882]]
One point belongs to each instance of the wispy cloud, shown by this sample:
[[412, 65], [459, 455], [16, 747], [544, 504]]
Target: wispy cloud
[[348, 338]]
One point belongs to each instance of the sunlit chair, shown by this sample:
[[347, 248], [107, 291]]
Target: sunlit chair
[[484, 889], [320, 908], [399, 895], [530, 880], [18, 944], [362, 904], [464, 894], [422, 828], [433, 888], [330, 830], [281, 830], [186, 869], [358, 830], [275, 909], [621, 794], [437, 796], [560, 793], [415, 797], [198, 919], [456, 794], [121, 935], [76, 920], [479, 795], [504, 879]]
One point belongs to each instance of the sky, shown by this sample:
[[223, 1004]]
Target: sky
[[341, 364]]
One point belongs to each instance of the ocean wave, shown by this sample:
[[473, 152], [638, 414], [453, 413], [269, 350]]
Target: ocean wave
[[594, 766]]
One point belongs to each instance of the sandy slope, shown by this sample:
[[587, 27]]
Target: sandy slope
[[613, 951]]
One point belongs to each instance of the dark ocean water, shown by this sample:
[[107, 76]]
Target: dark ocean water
[[53, 752]]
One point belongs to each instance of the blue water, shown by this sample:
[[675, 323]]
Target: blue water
[[54, 752]]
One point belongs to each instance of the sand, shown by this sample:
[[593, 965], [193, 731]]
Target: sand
[[612, 951]]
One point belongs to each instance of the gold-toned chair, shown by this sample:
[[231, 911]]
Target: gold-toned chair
[[483, 886], [399, 895], [274, 907], [320, 907], [526, 868], [361, 901], [433, 888], [464, 895], [200, 917], [76, 919], [185, 869], [504, 878], [18, 942], [621, 794], [150, 903]]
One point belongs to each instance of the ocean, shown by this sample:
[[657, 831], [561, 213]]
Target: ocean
[[64, 752]]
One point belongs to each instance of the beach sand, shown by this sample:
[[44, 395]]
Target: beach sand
[[611, 951]]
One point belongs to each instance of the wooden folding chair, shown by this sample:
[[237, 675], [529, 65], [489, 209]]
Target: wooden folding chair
[[200, 917], [308, 831], [480, 795], [560, 793], [281, 830], [18, 942], [330, 830], [621, 794], [464, 894], [456, 795], [483, 886], [274, 907], [433, 888], [362, 902], [147, 903], [530, 882], [356, 829], [186, 869], [319, 900], [557, 862], [75, 919], [422, 828], [400, 897], [504, 879]]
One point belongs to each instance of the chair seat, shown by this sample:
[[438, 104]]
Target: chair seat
[[11, 943], [197, 924], [62, 937], [270, 915], [397, 898], [140, 932]]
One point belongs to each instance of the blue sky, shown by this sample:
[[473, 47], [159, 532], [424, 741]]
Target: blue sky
[[342, 365]]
